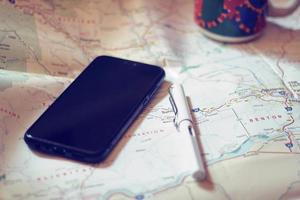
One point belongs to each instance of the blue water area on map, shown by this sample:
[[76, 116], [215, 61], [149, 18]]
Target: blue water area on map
[[196, 109], [289, 145], [139, 197], [2, 177], [288, 108], [243, 148]]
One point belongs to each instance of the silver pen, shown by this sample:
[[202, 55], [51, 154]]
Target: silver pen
[[183, 122]]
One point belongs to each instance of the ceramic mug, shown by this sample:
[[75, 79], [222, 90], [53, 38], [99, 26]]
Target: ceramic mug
[[237, 20]]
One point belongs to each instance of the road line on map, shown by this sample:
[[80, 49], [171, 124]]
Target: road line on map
[[273, 152], [281, 77], [248, 134], [283, 128], [289, 134]]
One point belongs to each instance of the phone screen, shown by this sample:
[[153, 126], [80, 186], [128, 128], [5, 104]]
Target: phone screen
[[89, 116]]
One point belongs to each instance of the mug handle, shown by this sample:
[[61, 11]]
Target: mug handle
[[280, 12]]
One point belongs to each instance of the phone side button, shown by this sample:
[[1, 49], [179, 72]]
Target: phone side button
[[146, 100]]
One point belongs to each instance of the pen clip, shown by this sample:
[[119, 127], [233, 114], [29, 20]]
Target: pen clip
[[174, 108]]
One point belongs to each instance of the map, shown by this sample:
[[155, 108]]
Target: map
[[245, 100]]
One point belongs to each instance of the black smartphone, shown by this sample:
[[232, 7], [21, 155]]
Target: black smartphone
[[87, 120]]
